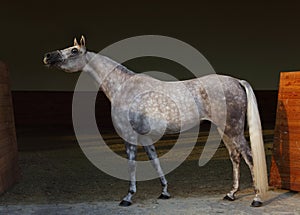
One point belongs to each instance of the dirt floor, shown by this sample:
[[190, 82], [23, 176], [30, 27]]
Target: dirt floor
[[61, 180]]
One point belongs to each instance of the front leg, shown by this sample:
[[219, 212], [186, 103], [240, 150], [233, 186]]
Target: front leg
[[152, 155], [131, 154]]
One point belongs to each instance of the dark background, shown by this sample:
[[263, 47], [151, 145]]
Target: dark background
[[251, 41]]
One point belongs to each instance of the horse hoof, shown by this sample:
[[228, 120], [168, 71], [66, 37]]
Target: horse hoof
[[125, 203], [228, 198], [163, 196], [256, 203]]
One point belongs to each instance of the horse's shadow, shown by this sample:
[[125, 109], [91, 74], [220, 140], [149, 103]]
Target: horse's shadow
[[281, 196]]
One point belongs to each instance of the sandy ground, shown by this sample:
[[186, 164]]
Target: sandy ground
[[279, 202], [62, 181]]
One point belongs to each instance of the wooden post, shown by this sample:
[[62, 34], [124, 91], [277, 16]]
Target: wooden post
[[9, 169], [285, 166]]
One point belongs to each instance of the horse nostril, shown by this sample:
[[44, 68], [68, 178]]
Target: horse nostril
[[47, 58]]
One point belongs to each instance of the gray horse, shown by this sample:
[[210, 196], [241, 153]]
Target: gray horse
[[147, 108]]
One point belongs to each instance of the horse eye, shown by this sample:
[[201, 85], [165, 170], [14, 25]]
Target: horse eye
[[74, 51]]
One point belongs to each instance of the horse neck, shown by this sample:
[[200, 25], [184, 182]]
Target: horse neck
[[109, 74]]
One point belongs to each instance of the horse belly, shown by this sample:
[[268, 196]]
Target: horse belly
[[165, 114]]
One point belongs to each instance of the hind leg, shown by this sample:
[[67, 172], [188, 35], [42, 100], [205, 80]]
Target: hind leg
[[247, 156], [235, 158], [152, 155]]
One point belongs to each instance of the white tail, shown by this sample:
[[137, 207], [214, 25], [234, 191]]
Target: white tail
[[257, 143]]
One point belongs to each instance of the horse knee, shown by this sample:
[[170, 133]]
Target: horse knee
[[151, 152]]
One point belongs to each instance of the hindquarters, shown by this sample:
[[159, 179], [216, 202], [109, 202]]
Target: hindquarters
[[236, 108], [241, 102], [225, 103]]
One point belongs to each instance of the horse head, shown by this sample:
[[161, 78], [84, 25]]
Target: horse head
[[71, 59]]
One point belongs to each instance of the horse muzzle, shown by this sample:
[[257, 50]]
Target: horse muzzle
[[52, 58]]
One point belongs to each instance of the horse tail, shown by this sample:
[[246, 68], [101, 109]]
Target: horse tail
[[257, 144]]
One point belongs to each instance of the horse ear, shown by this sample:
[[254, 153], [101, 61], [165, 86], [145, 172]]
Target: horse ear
[[82, 41], [75, 42]]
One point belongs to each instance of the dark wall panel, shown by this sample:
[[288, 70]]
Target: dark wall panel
[[40, 108]]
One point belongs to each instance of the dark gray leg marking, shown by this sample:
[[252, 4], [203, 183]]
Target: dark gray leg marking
[[131, 154]]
